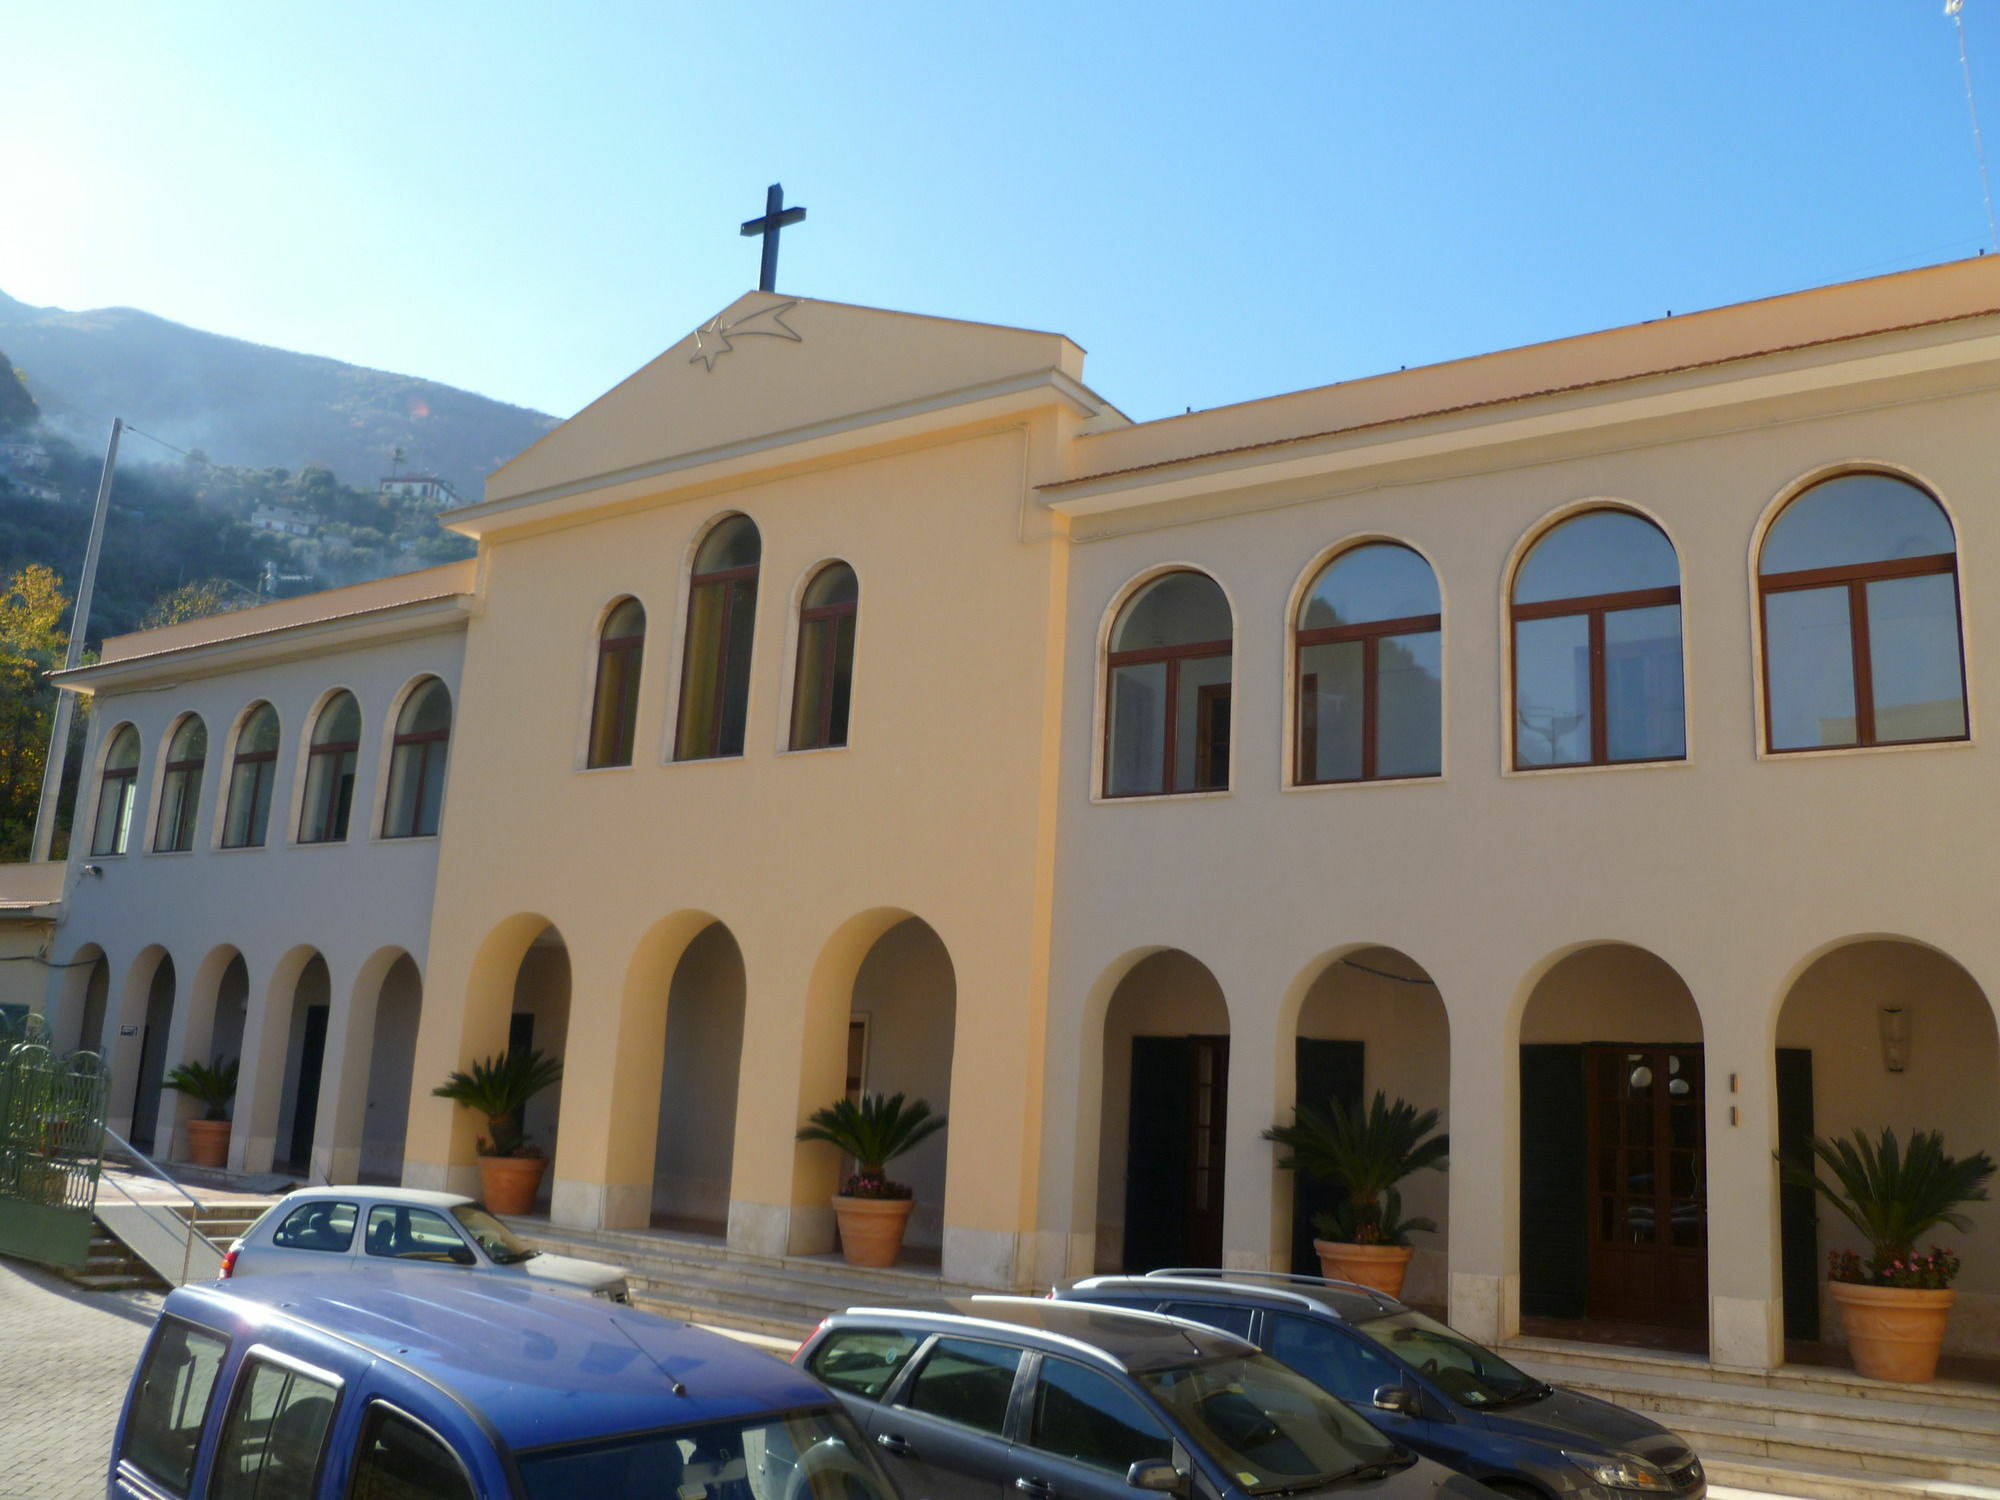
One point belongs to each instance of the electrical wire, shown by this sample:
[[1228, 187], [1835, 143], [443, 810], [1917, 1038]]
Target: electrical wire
[[1385, 974]]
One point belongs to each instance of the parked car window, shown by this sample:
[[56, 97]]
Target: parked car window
[[499, 1242], [400, 1460], [1082, 1415], [963, 1380], [317, 1226], [404, 1233], [863, 1361], [1331, 1359], [1221, 1315], [1268, 1425], [809, 1455], [274, 1434], [1470, 1375], [172, 1403]]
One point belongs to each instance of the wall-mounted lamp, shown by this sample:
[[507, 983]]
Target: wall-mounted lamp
[[1895, 1024], [93, 870]]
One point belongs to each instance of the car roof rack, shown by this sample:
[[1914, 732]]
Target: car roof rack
[[1282, 1278]]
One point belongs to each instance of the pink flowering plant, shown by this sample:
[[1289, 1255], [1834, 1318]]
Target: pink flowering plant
[[1911, 1273]]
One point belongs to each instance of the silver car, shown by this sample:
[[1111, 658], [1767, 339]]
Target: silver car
[[352, 1228]]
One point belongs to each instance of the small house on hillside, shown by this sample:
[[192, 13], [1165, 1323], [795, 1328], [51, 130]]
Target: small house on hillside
[[428, 488]]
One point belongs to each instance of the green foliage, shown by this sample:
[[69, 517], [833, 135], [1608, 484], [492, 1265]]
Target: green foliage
[[500, 1088], [211, 1085], [194, 601], [18, 411], [32, 643], [1894, 1197], [1367, 1153], [874, 1132]]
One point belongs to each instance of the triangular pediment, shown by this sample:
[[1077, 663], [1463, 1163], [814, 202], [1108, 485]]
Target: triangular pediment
[[770, 365]]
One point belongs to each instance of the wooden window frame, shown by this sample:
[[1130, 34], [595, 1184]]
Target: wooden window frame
[[1173, 656], [626, 710], [265, 763], [1370, 633], [831, 615], [1593, 607], [729, 579], [422, 739], [182, 840], [330, 793], [1856, 577]]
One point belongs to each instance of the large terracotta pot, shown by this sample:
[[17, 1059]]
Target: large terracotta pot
[[1893, 1333], [508, 1184], [208, 1143], [871, 1229], [1380, 1266]]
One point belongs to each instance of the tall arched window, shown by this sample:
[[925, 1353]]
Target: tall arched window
[[416, 762], [1167, 689], [330, 763], [1858, 579], [112, 833], [715, 669], [1370, 668], [825, 677], [180, 792], [1597, 645], [614, 708], [252, 772]]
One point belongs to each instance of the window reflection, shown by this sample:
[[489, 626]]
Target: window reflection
[[1370, 668], [1168, 690]]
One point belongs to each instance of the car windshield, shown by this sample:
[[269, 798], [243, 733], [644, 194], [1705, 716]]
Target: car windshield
[[809, 1455], [1470, 1375], [1271, 1429], [496, 1239]]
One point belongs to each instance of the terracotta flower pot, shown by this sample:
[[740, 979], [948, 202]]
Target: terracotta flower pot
[[1893, 1333], [508, 1184], [1380, 1266], [871, 1229], [208, 1143]]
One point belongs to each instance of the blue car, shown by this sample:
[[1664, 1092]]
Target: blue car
[[407, 1385], [1426, 1385]]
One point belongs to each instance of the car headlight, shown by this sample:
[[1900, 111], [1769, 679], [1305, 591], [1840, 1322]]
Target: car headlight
[[1622, 1472]]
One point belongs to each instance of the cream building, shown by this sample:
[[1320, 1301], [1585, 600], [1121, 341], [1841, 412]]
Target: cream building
[[1582, 740]]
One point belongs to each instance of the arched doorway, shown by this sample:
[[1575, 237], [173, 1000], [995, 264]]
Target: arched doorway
[[695, 1147], [86, 989], [305, 1060], [155, 1026], [539, 1017], [1372, 1021], [1614, 1203], [1164, 1117], [392, 1053], [900, 1029], [1886, 1032], [232, 1010]]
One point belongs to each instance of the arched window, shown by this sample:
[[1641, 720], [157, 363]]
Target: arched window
[[614, 709], [1370, 668], [251, 774], [1858, 578], [330, 762], [1167, 689], [180, 793], [416, 762], [113, 831], [825, 679], [715, 670], [1597, 645]]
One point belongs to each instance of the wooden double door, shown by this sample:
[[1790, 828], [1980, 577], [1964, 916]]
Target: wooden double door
[[1175, 1147]]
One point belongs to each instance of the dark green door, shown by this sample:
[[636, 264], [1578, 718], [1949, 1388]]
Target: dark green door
[[1555, 1250], [1798, 1212], [1326, 1071], [310, 1057], [1174, 1151]]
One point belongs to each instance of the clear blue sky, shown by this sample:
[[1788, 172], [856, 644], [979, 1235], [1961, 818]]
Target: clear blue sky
[[1218, 201]]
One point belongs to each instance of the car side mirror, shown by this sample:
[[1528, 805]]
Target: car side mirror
[[1396, 1398], [463, 1256], [1164, 1478]]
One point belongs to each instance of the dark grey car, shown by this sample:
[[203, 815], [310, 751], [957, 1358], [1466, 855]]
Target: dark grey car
[[1425, 1385], [1000, 1398]]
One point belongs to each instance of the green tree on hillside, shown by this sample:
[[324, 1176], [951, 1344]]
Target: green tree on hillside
[[192, 601], [18, 411], [32, 643]]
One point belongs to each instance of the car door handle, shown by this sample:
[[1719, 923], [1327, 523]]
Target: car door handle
[[1040, 1488], [890, 1441]]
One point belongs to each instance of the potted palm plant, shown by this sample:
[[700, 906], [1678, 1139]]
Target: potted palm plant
[[213, 1087], [1367, 1239], [871, 1210], [510, 1164], [1894, 1305]]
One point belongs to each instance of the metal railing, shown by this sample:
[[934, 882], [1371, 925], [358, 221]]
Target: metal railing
[[188, 1227]]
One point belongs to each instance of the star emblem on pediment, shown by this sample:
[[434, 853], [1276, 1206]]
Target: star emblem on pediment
[[712, 339]]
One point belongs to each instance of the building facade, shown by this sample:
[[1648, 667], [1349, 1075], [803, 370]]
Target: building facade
[[1580, 740]]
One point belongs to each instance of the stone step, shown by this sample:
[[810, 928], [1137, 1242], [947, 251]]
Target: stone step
[[1753, 1479]]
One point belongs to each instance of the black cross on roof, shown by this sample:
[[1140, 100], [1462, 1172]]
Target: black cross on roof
[[776, 217]]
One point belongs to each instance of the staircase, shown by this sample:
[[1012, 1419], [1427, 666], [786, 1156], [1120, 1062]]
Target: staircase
[[110, 1267], [1823, 1434], [700, 1280]]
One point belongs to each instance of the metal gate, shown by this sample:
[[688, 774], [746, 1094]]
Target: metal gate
[[51, 1146]]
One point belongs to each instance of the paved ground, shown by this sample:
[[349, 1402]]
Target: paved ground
[[65, 1359]]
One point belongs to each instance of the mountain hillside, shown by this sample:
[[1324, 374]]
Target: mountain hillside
[[253, 406]]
